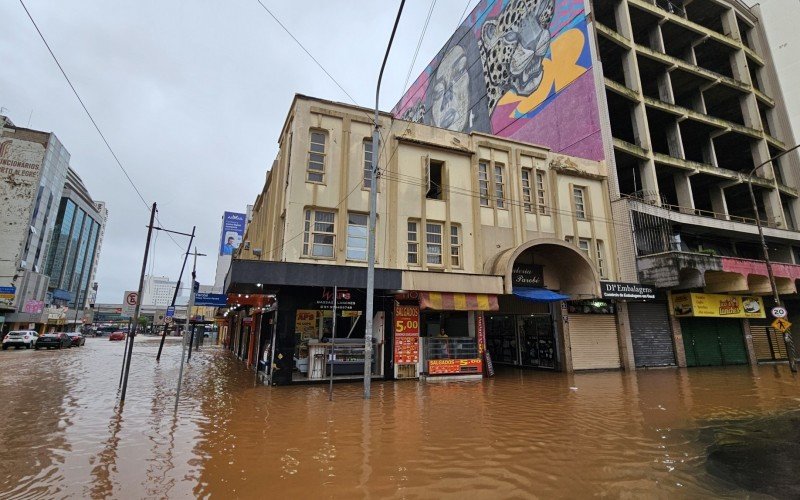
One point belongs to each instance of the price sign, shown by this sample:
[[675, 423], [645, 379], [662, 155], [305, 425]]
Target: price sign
[[406, 334]]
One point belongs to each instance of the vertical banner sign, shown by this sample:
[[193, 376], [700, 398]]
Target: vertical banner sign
[[483, 353], [406, 334], [232, 232]]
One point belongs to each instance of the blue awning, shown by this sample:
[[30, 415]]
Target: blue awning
[[539, 294]]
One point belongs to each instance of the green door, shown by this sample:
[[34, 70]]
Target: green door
[[713, 342]]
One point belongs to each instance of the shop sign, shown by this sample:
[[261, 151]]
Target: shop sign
[[210, 299], [483, 353], [344, 300], [627, 291], [709, 305], [530, 275], [7, 293], [453, 366], [33, 307], [305, 323], [406, 334], [351, 314]]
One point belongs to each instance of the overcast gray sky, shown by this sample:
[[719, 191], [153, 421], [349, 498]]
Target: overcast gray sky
[[192, 95]]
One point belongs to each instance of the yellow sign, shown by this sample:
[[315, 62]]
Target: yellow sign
[[351, 314], [781, 324], [305, 323], [710, 305]]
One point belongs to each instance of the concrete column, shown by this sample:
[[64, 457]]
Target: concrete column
[[683, 188], [718, 202], [562, 321], [677, 341], [748, 343], [624, 337]]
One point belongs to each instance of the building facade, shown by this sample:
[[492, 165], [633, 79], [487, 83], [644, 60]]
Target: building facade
[[682, 102], [484, 243], [158, 291]]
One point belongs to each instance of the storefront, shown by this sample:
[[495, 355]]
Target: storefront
[[522, 333], [713, 326], [593, 335]]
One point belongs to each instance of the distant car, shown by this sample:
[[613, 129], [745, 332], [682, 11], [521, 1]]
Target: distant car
[[77, 339], [54, 340], [20, 338], [118, 335]]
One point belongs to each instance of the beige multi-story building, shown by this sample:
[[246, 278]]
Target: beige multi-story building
[[463, 220]]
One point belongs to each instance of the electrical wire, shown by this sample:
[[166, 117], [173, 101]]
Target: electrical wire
[[419, 44], [91, 118]]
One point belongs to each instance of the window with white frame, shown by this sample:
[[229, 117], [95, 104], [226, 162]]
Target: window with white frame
[[527, 200], [579, 196], [483, 183], [319, 233], [584, 244], [499, 187], [601, 259], [455, 246], [413, 242], [433, 243], [541, 194], [357, 233], [367, 164], [315, 171]]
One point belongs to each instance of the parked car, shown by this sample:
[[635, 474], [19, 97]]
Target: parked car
[[20, 338], [118, 335], [77, 339], [53, 340]]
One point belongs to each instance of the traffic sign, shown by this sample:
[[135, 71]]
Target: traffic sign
[[781, 325], [170, 311], [129, 301], [778, 312]]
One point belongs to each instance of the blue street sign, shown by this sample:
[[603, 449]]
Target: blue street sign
[[170, 311], [211, 299], [8, 289]]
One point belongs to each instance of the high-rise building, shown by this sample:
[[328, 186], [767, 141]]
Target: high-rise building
[[75, 244], [682, 101], [158, 291], [33, 168]]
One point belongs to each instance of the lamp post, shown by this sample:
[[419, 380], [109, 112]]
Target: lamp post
[[787, 335]]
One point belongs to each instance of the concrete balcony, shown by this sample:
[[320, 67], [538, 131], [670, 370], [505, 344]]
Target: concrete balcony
[[690, 270]]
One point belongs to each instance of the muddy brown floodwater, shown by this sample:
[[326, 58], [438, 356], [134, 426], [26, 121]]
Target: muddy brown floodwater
[[660, 433]]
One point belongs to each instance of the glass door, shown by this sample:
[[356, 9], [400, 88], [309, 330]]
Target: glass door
[[538, 345]]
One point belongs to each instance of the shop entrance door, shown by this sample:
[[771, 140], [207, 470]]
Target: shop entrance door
[[536, 340], [713, 342]]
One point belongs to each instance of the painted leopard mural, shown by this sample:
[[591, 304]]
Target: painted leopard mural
[[513, 45]]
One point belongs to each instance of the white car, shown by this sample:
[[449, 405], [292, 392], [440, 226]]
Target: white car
[[20, 338]]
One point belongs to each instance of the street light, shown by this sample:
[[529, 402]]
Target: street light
[[787, 335]]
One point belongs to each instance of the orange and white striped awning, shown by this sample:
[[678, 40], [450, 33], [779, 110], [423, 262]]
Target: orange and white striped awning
[[445, 301]]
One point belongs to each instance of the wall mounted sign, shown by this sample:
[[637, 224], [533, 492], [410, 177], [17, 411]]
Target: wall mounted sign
[[527, 275], [627, 291], [709, 305], [454, 366], [406, 334]]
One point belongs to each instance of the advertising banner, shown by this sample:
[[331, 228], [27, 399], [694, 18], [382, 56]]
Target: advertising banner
[[708, 305], [232, 232], [305, 323], [406, 334], [453, 366], [7, 294], [33, 307]]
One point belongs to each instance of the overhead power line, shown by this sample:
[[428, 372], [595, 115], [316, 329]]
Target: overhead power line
[[419, 43]]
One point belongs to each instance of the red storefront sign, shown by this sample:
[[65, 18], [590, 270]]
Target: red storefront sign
[[406, 334], [454, 366]]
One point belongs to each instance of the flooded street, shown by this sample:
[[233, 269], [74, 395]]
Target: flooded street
[[520, 434]]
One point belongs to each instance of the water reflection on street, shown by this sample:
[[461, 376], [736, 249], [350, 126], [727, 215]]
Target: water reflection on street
[[522, 433]]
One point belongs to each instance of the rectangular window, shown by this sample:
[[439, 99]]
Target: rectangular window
[[584, 244], [499, 191], [357, 233], [316, 157], [319, 234], [541, 198], [434, 180], [526, 190], [579, 195], [483, 183], [455, 245], [433, 240], [367, 164], [601, 259], [413, 243]]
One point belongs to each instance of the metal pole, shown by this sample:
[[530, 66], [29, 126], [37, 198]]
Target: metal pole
[[333, 342], [191, 342], [135, 319], [373, 207], [186, 327], [124, 354], [175, 294], [272, 345], [787, 336]]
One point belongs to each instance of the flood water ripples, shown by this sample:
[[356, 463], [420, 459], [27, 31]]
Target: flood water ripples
[[522, 434]]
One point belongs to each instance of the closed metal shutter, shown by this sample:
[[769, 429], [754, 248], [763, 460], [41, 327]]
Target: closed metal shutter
[[713, 342], [767, 342], [594, 341], [651, 335]]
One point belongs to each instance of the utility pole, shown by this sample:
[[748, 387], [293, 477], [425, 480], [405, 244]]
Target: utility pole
[[787, 335], [175, 294], [186, 325], [135, 319], [373, 209], [333, 343]]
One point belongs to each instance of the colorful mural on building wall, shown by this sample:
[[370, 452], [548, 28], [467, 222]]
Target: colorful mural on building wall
[[515, 68]]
